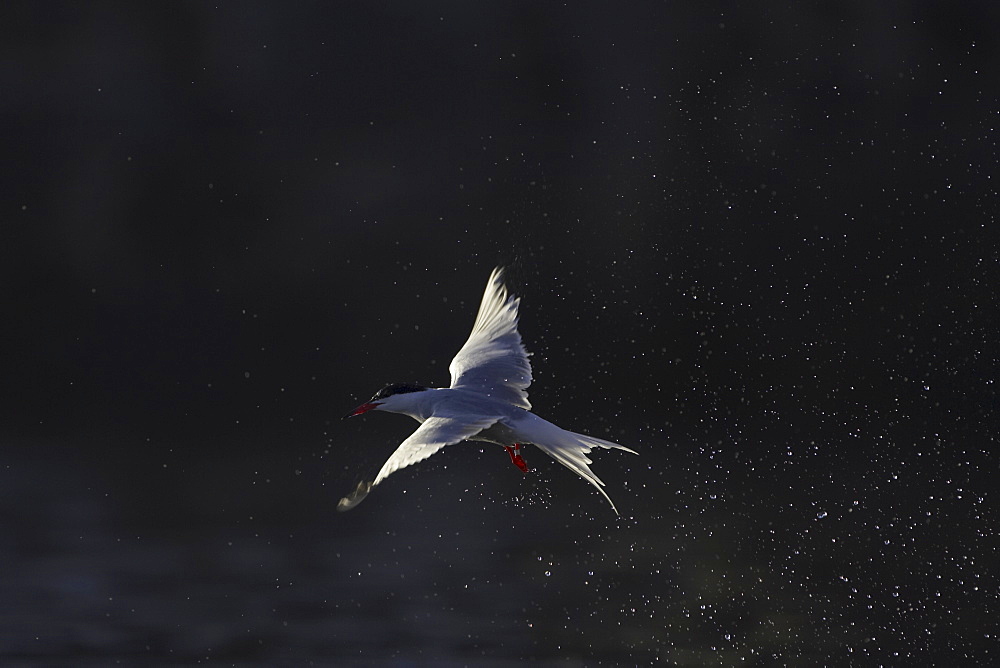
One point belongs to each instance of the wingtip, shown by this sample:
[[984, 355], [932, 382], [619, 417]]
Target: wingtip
[[355, 497], [497, 279]]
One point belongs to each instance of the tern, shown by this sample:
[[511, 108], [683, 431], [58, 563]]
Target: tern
[[487, 401]]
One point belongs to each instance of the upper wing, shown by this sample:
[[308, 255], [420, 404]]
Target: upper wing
[[493, 361], [431, 436]]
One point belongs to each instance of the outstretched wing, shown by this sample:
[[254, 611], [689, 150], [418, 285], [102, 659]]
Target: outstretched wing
[[431, 436], [493, 361]]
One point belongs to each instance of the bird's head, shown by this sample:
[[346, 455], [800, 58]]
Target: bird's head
[[394, 398]]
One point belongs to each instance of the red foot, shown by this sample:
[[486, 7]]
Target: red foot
[[515, 457]]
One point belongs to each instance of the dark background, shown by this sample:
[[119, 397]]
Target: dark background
[[755, 243]]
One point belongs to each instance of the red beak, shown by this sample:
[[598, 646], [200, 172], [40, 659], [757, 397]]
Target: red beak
[[363, 408]]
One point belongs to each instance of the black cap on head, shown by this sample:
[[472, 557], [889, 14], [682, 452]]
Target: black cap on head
[[397, 388]]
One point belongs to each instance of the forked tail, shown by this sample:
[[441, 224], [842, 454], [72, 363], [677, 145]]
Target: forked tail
[[570, 449]]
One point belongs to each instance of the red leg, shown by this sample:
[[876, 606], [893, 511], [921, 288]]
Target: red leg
[[515, 456]]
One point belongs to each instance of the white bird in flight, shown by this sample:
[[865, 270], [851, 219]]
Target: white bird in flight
[[486, 401]]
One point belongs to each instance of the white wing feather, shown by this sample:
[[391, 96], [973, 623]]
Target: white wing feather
[[431, 436], [493, 361]]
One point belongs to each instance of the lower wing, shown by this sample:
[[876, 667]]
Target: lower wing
[[431, 436]]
